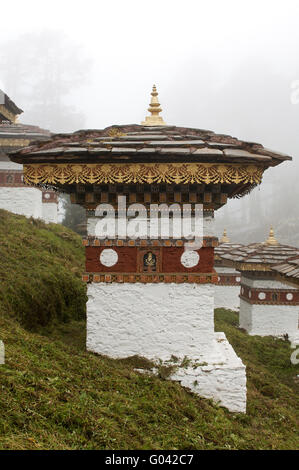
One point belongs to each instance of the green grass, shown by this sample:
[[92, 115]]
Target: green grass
[[55, 395], [40, 272]]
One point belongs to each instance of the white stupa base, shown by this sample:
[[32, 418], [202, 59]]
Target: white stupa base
[[22, 201], [269, 320], [50, 212], [222, 378], [28, 201], [172, 324], [227, 297]]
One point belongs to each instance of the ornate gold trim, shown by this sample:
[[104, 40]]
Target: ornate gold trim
[[14, 142], [252, 266], [94, 173]]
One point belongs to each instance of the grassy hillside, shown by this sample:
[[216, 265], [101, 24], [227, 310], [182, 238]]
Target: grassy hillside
[[40, 272], [55, 395]]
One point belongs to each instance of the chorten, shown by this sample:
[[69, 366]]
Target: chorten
[[271, 240], [151, 294], [15, 196], [268, 304], [224, 238]]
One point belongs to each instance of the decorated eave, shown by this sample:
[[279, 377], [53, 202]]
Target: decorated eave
[[259, 256], [15, 136], [145, 154], [289, 270], [8, 109]]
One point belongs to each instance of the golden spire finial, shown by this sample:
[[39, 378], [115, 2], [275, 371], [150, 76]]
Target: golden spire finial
[[154, 109], [271, 240], [224, 238]]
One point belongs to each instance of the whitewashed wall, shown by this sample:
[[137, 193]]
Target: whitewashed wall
[[223, 379], [25, 200], [269, 320], [205, 227], [9, 165], [227, 297], [150, 320], [22, 201], [158, 321], [50, 212], [265, 283]]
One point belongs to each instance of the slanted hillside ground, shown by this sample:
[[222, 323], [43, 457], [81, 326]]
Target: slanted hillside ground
[[55, 395]]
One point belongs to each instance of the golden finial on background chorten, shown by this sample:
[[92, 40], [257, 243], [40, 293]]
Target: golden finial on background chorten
[[271, 240], [154, 109], [224, 238]]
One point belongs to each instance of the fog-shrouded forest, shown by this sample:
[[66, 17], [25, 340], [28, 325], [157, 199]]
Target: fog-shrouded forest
[[213, 71]]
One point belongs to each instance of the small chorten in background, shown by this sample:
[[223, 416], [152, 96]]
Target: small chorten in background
[[155, 110], [271, 240], [224, 238], [268, 303], [15, 196]]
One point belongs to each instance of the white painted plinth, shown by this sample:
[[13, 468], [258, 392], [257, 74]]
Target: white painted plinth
[[223, 379], [28, 201], [50, 212], [22, 201], [163, 322], [227, 297], [268, 320]]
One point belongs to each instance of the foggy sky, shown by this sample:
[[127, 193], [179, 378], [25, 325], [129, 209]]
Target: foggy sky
[[226, 65]]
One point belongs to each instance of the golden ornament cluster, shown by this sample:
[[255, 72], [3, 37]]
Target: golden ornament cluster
[[185, 173]]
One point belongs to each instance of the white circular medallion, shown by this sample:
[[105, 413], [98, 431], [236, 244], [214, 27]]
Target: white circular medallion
[[238, 279], [262, 295], [47, 196], [189, 259], [289, 296], [108, 257]]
